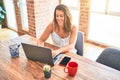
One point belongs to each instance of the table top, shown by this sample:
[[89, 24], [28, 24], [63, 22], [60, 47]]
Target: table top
[[23, 69]]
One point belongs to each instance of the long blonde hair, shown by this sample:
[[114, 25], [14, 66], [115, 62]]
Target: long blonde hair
[[67, 18]]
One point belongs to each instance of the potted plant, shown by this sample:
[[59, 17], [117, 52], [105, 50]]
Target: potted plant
[[47, 71], [2, 13]]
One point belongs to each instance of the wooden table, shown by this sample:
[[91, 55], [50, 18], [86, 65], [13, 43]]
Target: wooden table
[[23, 69]]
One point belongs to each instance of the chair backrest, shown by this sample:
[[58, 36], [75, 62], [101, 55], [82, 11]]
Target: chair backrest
[[80, 43], [110, 57]]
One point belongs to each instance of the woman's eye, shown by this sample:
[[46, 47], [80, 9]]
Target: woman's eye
[[57, 16], [61, 15]]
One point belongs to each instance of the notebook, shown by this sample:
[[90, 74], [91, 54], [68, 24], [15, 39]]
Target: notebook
[[41, 54]]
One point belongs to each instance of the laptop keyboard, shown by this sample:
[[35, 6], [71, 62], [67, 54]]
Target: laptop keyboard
[[57, 57]]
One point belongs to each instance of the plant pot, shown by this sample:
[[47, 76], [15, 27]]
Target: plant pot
[[47, 74]]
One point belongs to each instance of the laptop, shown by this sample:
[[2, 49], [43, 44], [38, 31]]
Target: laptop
[[41, 54]]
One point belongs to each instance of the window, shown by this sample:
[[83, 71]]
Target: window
[[11, 17], [114, 7], [104, 23], [24, 15], [74, 7]]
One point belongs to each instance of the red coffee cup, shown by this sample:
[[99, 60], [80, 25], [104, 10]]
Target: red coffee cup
[[71, 68]]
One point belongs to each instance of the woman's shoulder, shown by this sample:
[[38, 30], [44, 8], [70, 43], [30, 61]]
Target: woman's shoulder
[[50, 24], [50, 27]]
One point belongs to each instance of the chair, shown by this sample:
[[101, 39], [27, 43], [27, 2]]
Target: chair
[[110, 57], [80, 43]]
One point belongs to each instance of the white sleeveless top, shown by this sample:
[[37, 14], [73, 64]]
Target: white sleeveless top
[[60, 42]]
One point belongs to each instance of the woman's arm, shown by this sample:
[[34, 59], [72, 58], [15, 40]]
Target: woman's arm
[[72, 42], [45, 35]]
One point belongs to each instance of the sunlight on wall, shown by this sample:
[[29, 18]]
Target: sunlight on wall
[[11, 17]]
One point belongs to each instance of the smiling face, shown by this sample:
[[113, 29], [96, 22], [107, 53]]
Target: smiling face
[[60, 17]]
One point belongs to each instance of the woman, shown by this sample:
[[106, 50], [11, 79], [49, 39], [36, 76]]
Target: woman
[[62, 31]]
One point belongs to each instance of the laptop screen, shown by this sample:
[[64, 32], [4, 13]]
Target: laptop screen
[[37, 53]]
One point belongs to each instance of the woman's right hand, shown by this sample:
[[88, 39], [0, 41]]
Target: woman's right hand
[[40, 43]]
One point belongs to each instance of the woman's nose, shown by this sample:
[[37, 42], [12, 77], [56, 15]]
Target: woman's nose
[[59, 17]]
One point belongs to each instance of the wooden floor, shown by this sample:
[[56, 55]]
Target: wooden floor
[[6, 34], [90, 51]]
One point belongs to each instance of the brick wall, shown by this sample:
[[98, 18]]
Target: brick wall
[[84, 16], [40, 13], [44, 10], [18, 18]]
